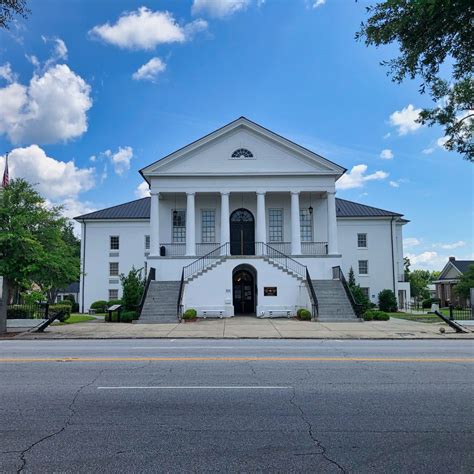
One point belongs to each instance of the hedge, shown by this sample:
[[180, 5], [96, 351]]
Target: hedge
[[190, 313], [304, 314], [373, 315], [56, 308], [99, 306]]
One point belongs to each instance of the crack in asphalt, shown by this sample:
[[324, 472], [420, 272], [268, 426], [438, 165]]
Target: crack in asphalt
[[72, 412], [318, 445]]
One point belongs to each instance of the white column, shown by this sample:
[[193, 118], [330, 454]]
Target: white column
[[190, 225], [261, 220], [332, 223], [225, 220], [155, 224], [295, 224]]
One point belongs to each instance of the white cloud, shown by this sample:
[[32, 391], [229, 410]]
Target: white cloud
[[357, 177], [53, 179], [405, 119], [386, 154], [394, 184], [442, 141], [59, 52], [7, 73], [145, 29], [454, 245], [219, 8], [387, 135], [120, 159], [52, 108], [427, 260], [428, 151], [319, 3], [150, 70], [411, 242], [143, 190]]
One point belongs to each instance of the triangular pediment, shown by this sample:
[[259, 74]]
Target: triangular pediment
[[242, 147], [449, 272]]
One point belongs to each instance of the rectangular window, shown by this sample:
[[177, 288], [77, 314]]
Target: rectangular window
[[113, 268], [362, 241], [363, 267], [114, 242], [147, 242], [208, 225], [113, 295], [275, 225], [179, 225], [366, 292], [306, 225]]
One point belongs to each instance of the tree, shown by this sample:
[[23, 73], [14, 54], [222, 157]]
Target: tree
[[132, 288], [436, 44], [387, 301], [419, 280], [466, 282], [9, 8], [351, 278], [33, 247], [406, 267]]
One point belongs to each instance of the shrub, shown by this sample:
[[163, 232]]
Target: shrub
[[190, 314], [18, 311], [426, 304], [33, 296], [373, 315], [56, 308], [68, 302], [112, 302], [132, 288], [128, 316], [360, 298], [99, 306], [304, 314], [387, 301]]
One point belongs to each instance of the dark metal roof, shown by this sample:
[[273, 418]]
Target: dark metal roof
[[354, 209], [140, 209], [462, 265], [71, 288]]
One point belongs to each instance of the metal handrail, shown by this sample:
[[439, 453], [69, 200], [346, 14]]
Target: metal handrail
[[151, 276], [312, 294], [179, 308], [337, 273], [202, 262], [285, 260]]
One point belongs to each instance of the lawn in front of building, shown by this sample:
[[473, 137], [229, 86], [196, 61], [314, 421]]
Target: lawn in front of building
[[76, 318]]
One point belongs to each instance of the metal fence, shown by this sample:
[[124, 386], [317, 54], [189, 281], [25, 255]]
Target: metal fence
[[456, 314], [27, 311]]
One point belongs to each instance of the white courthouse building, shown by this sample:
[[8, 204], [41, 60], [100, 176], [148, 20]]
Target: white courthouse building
[[243, 221]]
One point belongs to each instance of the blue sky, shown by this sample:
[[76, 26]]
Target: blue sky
[[92, 91]]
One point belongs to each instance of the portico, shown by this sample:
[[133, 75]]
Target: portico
[[191, 224]]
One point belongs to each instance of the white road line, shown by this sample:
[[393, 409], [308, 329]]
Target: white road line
[[197, 387]]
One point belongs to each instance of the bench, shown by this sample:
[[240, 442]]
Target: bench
[[213, 312], [91, 311], [280, 312]]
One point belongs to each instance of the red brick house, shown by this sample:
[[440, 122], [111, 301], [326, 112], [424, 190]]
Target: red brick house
[[447, 280]]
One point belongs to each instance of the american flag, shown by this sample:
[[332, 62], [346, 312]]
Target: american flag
[[6, 177]]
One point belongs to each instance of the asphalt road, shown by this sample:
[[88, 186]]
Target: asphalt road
[[245, 405]]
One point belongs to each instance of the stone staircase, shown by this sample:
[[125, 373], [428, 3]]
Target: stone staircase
[[161, 303], [207, 268], [282, 268], [334, 305]]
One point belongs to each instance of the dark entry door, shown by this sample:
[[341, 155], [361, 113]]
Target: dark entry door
[[244, 292], [242, 233]]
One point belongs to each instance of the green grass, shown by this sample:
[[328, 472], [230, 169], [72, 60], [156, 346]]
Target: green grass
[[77, 318], [421, 318]]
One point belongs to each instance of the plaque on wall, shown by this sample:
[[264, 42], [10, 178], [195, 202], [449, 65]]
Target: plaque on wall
[[269, 291]]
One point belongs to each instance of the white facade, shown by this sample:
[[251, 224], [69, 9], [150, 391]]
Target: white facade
[[285, 198]]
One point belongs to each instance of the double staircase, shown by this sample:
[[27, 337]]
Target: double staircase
[[331, 299]]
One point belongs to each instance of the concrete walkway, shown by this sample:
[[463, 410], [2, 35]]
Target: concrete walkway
[[254, 328]]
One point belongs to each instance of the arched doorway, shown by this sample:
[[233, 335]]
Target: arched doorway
[[242, 233], [244, 290]]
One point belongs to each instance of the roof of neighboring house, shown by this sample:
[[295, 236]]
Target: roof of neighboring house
[[462, 265], [140, 209], [71, 288]]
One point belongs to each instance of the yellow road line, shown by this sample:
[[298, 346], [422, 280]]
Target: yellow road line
[[235, 359]]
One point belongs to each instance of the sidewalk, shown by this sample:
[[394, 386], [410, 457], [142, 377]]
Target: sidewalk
[[253, 328]]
